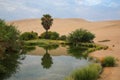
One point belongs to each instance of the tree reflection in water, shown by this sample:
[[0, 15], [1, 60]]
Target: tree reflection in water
[[78, 52], [47, 59], [9, 64]]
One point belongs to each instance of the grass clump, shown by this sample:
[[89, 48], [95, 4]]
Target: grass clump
[[43, 42], [108, 61], [90, 72], [46, 41]]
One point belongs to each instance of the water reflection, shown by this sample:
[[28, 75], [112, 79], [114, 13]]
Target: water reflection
[[50, 47], [78, 52], [34, 67], [9, 64], [46, 60], [28, 49]]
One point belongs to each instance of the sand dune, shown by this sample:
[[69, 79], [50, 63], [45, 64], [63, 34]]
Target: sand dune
[[102, 30]]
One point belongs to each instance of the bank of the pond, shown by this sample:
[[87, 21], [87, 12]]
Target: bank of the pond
[[63, 46]]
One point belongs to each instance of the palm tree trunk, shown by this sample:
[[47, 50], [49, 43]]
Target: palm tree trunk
[[46, 34]]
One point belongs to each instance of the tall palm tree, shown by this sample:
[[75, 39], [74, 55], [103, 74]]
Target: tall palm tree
[[47, 22]]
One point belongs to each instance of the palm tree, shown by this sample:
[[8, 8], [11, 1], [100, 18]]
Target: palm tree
[[47, 21]]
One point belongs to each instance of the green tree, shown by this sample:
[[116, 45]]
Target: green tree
[[28, 35], [9, 37], [63, 37], [51, 35], [80, 35], [47, 22]]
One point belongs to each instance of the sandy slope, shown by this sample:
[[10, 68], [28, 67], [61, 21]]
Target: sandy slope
[[103, 30], [106, 30]]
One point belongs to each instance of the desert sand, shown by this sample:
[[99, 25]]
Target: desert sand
[[104, 30]]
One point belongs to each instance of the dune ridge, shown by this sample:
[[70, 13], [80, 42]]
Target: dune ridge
[[102, 29]]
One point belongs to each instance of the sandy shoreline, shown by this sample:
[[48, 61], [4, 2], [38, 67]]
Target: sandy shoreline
[[104, 30]]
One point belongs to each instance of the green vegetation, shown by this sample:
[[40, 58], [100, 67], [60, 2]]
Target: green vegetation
[[83, 49], [108, 61], [43, 41], [28, 36], [63, 37], [28, 48], [9, 64], [46, 60], [49, 47], [90, 72], [51, 35], [47, 21], [79, 36], [9, 37]]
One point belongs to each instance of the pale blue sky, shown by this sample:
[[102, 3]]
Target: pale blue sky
[[94, 10]]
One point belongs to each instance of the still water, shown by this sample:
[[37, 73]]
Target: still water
[[61, 66], [44, 67]]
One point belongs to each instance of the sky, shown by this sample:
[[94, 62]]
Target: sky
[[92, 10]]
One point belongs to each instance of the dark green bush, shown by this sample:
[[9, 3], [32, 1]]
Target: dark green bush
[[51, 35], [108, 61], [80, 35], [63, 37], [8, 32], [9, 37], [29, 36]]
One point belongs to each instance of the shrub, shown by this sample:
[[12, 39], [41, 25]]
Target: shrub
[[108, 61], [9, 37], [51, 35], [63, 37], [90, 72], [8, 32], [80, 35], [29, 36]]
